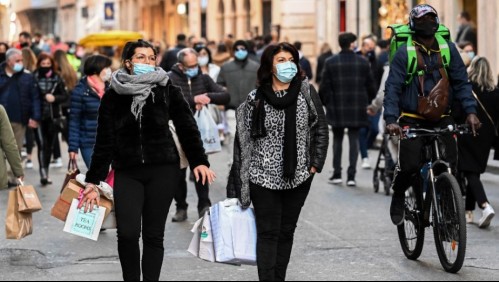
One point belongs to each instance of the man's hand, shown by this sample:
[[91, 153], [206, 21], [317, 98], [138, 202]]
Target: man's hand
[[33, 124], [474, 123], [394, 130], [371, 111], [202, 99]]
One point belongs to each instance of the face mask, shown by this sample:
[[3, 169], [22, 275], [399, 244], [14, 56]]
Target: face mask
[[471, 55], [241, 55], [107, 75], [44, 71], [286, 71], [24, 45], [72, 51], [203, 61], [139, 69], [191, 73], [426, 29], [18, 68]]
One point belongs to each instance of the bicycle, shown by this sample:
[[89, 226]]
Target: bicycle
[[435, 200]]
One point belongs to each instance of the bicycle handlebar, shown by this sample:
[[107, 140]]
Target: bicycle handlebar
[[412, 133]]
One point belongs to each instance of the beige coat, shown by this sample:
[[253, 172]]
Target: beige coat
[[8, 150]]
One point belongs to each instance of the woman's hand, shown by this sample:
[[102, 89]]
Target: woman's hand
[[205, 174], [73, 156], [202, 99], [50, 98], [91, 198]]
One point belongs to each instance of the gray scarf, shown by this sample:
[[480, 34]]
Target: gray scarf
[[139, 86]]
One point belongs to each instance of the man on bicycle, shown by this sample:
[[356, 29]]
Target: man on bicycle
[[403, 100]]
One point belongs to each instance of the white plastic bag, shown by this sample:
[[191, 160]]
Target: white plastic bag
[[234, 233], [202, 242], [209, 131]]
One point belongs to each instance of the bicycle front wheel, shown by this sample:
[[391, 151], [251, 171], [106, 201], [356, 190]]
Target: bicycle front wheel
[[450, 228]]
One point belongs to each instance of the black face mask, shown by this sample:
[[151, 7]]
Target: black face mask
[[24, 45], [426, 29], [44, 71]]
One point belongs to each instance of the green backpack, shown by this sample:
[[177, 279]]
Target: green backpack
[[402, 34]]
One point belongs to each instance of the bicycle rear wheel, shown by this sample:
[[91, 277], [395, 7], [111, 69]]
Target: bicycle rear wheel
[[450, 231], [412, 232]]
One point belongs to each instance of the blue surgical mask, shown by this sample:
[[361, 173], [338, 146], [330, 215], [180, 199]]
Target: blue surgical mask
[[241, 55], [139, 69], [191, 73], [286, 71], [18, 68], [471, 55]]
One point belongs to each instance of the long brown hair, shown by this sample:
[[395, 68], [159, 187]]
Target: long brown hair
[[45, 56], [68, 74], [29, 59]]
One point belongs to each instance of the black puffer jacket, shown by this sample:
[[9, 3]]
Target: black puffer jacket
[[238, 184], [126, 142]]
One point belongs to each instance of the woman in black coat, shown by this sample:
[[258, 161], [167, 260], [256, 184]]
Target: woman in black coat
[[134, 136], [474, 152]]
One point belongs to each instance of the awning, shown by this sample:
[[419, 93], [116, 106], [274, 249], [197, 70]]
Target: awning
[[109, 38]]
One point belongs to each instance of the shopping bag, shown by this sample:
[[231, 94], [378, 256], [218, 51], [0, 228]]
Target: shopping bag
[[73, 171], [28, 199], [86, 225], [17, 225], [202, 245], [209, 131], [234, 233]]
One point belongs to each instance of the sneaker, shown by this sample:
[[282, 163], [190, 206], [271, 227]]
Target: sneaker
[[335, 180], [351, 183], [56, 163], [469, 217], [203, 211], [397, 210], [29, 164], [366, 163], [487, 216], [180, 216]]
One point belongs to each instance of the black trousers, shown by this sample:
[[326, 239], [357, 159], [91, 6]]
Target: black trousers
[[203, 192], [277, 214], [475, 192], [353, 135], [45, 137], [143, 196], [412, 155]]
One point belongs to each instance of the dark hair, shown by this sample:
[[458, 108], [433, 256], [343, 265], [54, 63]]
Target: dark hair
[[95, 64], [25, 34], [181, 37], [465, 15], [46, 56], [267, 62], [383, 44], [298, 45], [131, 46], [346, 39], [463, 44], [199, 48], [221, 48], [7, 47], [267, 39], [38, 34]]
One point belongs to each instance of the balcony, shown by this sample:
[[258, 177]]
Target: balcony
[[23, 5]]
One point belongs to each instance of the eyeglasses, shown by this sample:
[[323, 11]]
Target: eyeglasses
[[144, 59]]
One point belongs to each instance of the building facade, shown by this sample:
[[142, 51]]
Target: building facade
[[36, 15]]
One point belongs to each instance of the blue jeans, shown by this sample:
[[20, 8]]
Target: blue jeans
[[86, 154], [368, 135]]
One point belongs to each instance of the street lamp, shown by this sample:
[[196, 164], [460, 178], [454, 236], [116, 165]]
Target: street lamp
[[182, 9]]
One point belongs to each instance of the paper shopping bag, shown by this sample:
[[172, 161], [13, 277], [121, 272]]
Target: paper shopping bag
[[17, 225], [28, 199], [86, 225]]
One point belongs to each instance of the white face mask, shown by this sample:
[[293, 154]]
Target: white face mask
[[106, 76], [203, 61]]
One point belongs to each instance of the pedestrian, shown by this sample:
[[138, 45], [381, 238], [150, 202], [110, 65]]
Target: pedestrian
[[170, 56], [8, 151], [347, 83], [466, 30], [223, 55], [70, 78], [281, 143], [326, 53], [133, 135], [25, 42], [239, 76], [19, 95], [474, 152], [3, 49], [53, 94], [304, 62], [199, 90], [71, 57], [205, 61], [85, 102], [30, 62], [469, 50], [29, 59]]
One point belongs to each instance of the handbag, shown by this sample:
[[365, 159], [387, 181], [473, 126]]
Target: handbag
[[433, 106], [73, 171]]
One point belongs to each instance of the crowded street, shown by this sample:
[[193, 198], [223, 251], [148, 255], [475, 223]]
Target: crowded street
[[343, 234]]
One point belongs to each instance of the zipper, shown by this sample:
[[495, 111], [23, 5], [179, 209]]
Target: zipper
[[190, 87], [141, 145]]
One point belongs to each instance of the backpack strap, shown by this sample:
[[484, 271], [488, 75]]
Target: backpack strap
[[412, 62]]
